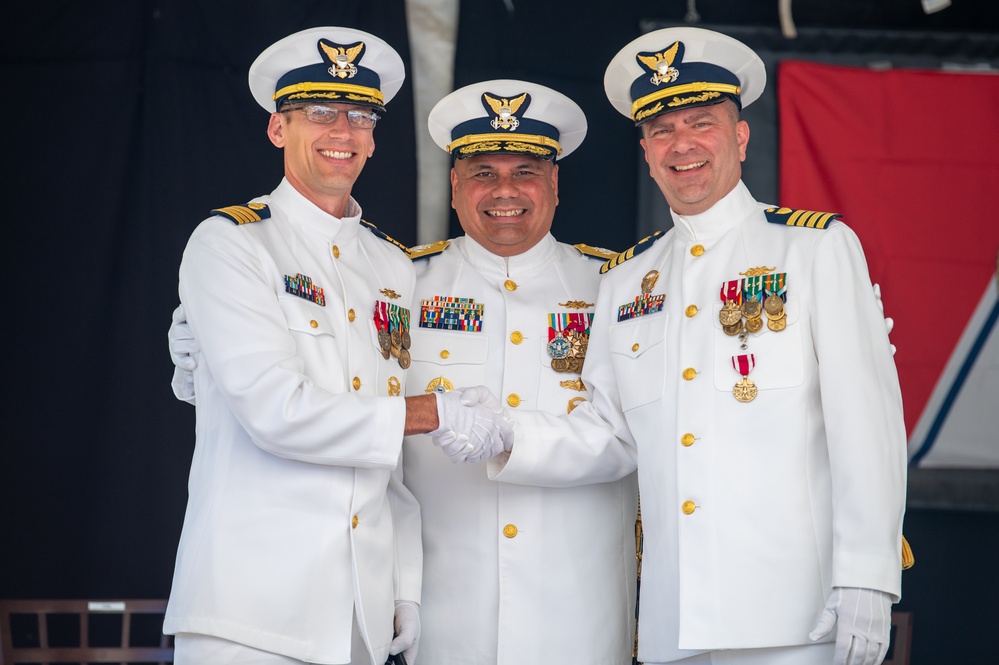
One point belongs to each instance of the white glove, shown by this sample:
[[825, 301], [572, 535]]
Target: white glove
[[407, 630], [472, 425], [889, 322], [183, 350], [862, 618]]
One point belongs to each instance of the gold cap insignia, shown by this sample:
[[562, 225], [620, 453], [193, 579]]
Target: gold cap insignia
[[505, 110], [661, 64], [342, 58]]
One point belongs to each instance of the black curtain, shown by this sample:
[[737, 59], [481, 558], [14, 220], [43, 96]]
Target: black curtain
[[127, 122]]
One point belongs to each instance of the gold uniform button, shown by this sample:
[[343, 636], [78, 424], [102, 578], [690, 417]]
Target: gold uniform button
[[687, 439], [510, 531], [336, 252], [516, 337], [445, 354], [513, 399], [350, 315], [357, 383], [688, 507], [510, 285], [697, 250], [353, 522], [691, 311], [314, 323], [634, 347], [689, 373]]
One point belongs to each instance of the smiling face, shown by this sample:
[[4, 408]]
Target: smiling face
[[505, 203], [322, 161], [695, 155]]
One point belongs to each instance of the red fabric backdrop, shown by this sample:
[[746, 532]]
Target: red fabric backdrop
[[910, 158]]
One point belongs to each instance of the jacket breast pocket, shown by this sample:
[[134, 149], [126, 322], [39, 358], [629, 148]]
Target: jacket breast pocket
[[448, 359], [638, 352], [315, 335], [778, 355]]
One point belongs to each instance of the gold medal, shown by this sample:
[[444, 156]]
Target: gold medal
[[777, 324], [396, 338], [405, 360], [754, 325], [773, 306], [407, 339], [439, 385], [560, 364], [752, 308], [733, 329], [730, 314], [745, 390]]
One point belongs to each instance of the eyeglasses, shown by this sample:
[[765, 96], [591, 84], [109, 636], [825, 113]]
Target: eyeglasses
[[326, 115]]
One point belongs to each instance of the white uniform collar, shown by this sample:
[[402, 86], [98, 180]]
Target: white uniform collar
[[717, 220], [486, 262], [300, 210]]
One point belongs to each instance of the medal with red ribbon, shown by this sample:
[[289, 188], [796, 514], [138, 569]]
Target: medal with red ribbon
[[730, 315], [745, 390]]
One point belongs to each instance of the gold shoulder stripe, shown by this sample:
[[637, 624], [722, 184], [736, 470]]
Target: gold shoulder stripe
[[384, 236], [631, 252], [244, 214], [432, 249], [808, 219], [598, 252]]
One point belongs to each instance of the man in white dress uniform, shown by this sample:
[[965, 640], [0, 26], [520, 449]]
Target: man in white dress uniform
[[513, 575], [300, 543], [744, 357]]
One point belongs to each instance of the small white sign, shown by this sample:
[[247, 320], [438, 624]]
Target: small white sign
[[106, 607]]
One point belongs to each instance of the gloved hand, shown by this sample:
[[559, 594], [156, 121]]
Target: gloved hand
[[407, 630], [862, 618], [472, 425], [183, 347], [889, 322]]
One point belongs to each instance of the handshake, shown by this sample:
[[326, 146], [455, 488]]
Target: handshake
[[473, 425]]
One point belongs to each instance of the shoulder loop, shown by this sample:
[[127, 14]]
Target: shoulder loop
[[244, 214], [426, 251], [596, 252], [384, 236], [637, 249], [804, 218]]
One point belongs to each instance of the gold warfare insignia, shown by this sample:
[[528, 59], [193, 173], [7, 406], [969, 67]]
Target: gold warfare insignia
[[576, 304], [505, 110], [342, 58], [576, 384], [661, 64], [756, 272], [389, 293]]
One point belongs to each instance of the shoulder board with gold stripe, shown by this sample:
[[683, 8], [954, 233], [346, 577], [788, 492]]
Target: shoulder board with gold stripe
[[640, 247], [245, 214], [424, 251], [384, 236], [596, 252], [805, 218]]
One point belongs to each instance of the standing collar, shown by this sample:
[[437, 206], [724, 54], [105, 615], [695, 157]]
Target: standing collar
[[300, 210], [717, 220], [485, 261]]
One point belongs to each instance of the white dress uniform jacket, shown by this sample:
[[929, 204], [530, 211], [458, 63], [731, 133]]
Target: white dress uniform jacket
[[515, 575], [293, 486], [751, 511]]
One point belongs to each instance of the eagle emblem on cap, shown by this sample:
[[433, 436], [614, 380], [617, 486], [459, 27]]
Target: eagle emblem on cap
[[341, 58], [505, 110], [661, 64]]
